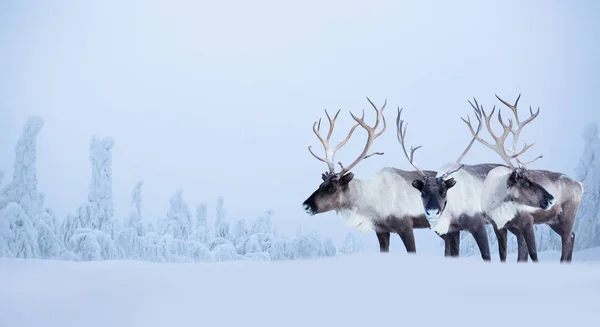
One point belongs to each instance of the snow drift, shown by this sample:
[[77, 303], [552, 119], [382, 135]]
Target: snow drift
[[364, 289]]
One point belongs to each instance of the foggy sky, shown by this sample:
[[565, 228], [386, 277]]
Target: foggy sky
[[218, 98]]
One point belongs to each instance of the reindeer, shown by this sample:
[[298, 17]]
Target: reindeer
[[385, 203], [516, 198], [450, 199]]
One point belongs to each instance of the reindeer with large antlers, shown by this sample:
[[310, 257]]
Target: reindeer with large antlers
[[450, 199], [516, 198], [386, 203]]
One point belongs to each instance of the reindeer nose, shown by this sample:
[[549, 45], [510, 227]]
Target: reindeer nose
[[432, 211]]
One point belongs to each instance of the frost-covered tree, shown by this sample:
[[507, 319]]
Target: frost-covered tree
[[263, 224], [221, 224], [308, 246], [100, 189], [20, 237], [92, 245], [178, 222], [327, 248], [351, 244], [201, 231], [23, 189], [587, 222], [130, 244], [224, 252], [49, 241], [198, 252], [283, 249], [240, 231], [3, 199], [134, 218], [201, 215]]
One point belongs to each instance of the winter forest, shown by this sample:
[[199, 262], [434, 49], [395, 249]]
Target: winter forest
[[28, 229]]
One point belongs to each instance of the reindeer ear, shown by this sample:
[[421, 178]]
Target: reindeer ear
[[344, 180], [449, 183], [418, 184]]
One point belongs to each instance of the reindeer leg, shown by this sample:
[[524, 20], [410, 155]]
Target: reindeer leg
[[446, 245], [407, 236], [404, 228], [523, 254], [529, 235], [567, 239], [384, 241], [454, 242], [567, 220], [570, 254], [501, 235], [477, 229]]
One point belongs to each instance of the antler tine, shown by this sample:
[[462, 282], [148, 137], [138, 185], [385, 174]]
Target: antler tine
[[498, 147], [524, 164], [519, 126], [329, 152], [468, 122], [401, 134], [371, 135]]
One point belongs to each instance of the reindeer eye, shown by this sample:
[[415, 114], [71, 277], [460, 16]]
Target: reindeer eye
[[331, 189], [524, 184]]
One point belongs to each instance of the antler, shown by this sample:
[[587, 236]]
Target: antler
[[517, 131], [329, 152], [498, 147], [401, 134], [372, 135], [462, 156]]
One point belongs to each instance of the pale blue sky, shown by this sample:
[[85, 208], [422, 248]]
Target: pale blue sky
[[218, 98]]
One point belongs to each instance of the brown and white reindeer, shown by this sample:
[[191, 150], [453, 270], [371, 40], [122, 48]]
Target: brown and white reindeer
[[515, 198], [385, 203], [450, 199]]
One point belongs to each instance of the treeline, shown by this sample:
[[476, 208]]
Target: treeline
[[28, 229]]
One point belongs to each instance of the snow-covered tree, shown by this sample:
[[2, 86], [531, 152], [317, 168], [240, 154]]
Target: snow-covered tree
[[92, 244], [351, 244], [3, 199], [224, 252], [327, 248], [130, 244], [23, 189], [283, 249], [201, 215], [178, 222], [100, 189], [20, 237], [221, 224], [198, 252], [587, 223], [240, 231], [49, 241], [134, 218], [263, 224], [308, 245]]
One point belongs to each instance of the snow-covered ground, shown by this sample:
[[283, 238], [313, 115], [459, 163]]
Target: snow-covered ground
[[364, 289]]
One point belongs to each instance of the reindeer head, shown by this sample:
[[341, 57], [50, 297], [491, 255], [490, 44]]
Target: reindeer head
[[523, 191], [434, 190], [433, 195], [520, 188], [332, 194]]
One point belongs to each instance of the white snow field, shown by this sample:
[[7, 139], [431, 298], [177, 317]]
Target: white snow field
[[394, 289]]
